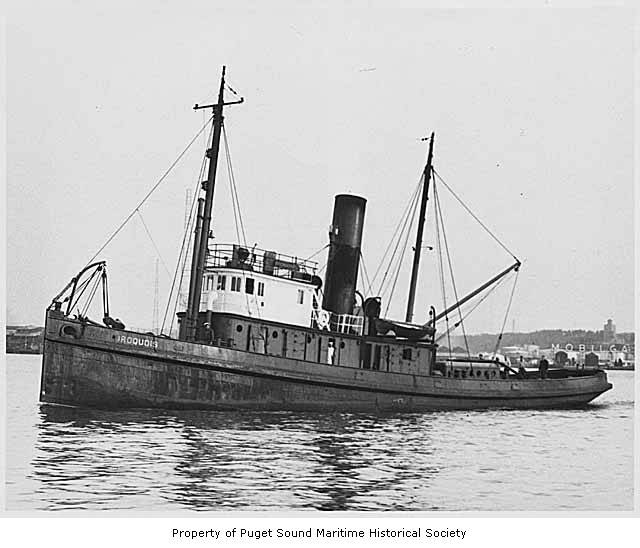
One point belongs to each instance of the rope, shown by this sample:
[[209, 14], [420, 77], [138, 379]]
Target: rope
[[474, 215], [164, 176]]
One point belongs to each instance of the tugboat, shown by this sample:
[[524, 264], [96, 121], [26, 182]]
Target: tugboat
[[262, 331]]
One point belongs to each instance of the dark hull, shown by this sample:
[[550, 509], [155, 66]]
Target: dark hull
[[91, 366]]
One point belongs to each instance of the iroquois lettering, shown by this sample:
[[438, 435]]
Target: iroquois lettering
[[137, 341]]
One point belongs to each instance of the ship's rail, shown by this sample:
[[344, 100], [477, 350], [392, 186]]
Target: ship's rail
[[346, 323], [261, 260], [340, 323]]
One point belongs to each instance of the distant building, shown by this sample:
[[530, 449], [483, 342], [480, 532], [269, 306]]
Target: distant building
[[22, 339], [609, 331]]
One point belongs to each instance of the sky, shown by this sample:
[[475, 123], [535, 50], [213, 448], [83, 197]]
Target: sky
[[532, 111]]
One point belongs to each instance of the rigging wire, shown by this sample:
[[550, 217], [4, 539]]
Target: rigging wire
[[384, 256], [442, 280], [184, 247], [237, 213], [316, 253], [410, 214], [404, 248], [164, 176], [234, 188], [446, 246], [365, 274], [92, 293], [476, 305], [187, 245], [474, 215], [82, 288], [506, 315], [154, 243], [226, 85], [183, 258]]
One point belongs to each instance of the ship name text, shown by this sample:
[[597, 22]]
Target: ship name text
[[137, 341]]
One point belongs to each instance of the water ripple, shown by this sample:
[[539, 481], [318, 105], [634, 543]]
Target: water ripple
[[69, 459]]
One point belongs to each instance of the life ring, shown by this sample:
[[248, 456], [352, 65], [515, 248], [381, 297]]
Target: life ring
[[322, 319]]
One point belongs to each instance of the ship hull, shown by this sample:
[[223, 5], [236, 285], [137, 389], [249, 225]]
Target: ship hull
[[91, 366]]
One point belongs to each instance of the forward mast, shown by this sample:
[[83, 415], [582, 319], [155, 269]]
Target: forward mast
[[203, 222]]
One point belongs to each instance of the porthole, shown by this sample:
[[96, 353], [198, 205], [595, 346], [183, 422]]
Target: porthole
[[275, 335], [342, 345], [239, 328], [69, 331], [308, 338]]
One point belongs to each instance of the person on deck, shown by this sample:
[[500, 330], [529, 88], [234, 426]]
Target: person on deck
[[543, 367], [330, 352], [521, 370]]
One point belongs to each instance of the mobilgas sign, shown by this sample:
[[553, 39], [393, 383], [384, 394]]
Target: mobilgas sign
[[629, 348]]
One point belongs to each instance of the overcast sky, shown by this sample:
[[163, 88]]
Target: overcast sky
[[532, 109]]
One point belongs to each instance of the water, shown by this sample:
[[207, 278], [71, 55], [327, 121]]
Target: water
[[75, 459]]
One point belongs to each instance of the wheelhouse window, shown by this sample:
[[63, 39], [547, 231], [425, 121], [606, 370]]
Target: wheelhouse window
[[236, 283], [248, 286], [260, 289], [221, 282], [300, 296]]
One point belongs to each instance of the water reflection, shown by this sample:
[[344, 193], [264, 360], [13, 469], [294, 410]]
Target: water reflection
[[63, 458], [208, 461]]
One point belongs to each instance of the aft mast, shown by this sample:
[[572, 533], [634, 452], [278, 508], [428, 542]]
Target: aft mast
[[201, 240], [421, 219]]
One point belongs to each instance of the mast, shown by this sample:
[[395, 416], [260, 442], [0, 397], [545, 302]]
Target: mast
[[421, 219], [201, 240]]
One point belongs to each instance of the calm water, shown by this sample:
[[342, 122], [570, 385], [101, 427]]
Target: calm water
[[63, 458]]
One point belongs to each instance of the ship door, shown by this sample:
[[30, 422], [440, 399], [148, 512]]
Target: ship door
[[366, 356], [377, 352]]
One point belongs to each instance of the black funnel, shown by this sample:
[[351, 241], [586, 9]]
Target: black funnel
[[345, 236]]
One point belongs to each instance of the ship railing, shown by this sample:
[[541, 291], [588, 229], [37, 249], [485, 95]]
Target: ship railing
[[347, 323], [340, 323], [261, 260]]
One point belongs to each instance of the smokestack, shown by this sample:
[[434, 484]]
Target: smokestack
[[345, 237]]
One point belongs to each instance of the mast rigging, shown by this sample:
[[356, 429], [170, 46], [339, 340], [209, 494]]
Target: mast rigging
[[188, 327], [421, 219]]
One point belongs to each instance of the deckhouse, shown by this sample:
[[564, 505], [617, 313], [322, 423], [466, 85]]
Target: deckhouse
[[260, 284]]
